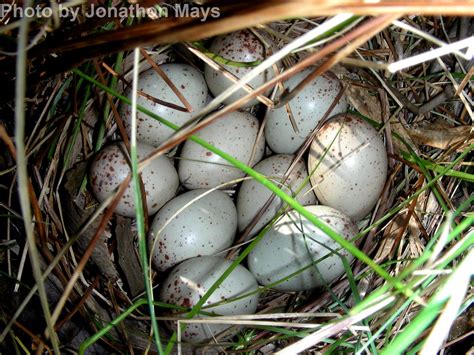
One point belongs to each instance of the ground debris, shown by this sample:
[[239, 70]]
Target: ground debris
[[75, 216], [127, 258], [442, 135]]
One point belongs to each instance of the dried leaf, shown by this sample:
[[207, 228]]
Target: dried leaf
[[462, 325], [369, 105], [75, 216], [440, 134], [127, 258], [391, 237]]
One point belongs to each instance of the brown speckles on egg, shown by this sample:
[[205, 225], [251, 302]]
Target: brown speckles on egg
[[191, 84], [200, 274], [252, 195], [352, 179], [294, 243], [307, 108], [186, 302], [234, 133], [110, 168], [205, 227], [240, 46]]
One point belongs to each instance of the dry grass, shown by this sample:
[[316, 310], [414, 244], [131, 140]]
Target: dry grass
[[410, 288]]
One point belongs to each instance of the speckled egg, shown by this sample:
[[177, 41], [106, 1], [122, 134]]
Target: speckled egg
[[253, 195], [294, 244], [239, 46], [191, 279], [110, 167], [188, 80], [352, 174], [198, 222], [307, 109], [236, 134]]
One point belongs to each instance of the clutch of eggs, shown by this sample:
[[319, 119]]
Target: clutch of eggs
[[347, 167]]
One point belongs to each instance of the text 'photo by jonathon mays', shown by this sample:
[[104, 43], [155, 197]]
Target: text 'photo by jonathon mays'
[[237, 177]]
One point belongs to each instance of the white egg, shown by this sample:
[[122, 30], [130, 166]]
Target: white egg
[[352, 174], [195, 223], [294, 244], [307, 109], [188, 80], [239, 46], [110, 167], [253, 195], [236, 134], [191, 279]]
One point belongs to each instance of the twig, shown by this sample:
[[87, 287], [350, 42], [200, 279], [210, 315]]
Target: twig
[[432, 54], [465, 81], [232, 77], [142, 93], [167, 80], [88, 252]]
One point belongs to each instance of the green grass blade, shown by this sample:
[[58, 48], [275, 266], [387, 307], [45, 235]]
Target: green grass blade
[[224, 61], [438, 168], [77, 127], [93, 339], [140, 217], [429, 313]]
